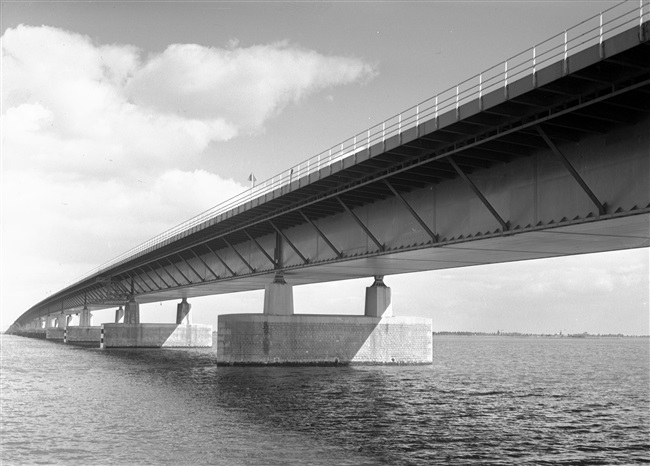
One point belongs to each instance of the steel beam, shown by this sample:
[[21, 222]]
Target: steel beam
[[220, 260], [259, 246], [191, 268], [159, 276], [238, 254], [167, 272], [321, 234], [478, 193], [149, 276], [425, 227], [304, 259], [204, 263], [361, 224], [572, 170], [189, 282], [135, 281]]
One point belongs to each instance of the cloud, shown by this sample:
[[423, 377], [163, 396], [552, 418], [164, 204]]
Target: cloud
[[102, 145], [244, 86]]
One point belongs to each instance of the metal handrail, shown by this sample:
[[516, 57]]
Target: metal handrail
[[556, 48]]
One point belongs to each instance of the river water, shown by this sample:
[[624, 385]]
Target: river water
[[485, 400]]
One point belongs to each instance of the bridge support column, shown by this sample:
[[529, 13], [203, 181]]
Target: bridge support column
[[62, 320], [85, 317], [278, 297], [119, 315], [183, 313], [378, 299], [132, 313]]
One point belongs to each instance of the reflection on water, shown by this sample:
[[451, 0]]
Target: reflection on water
[[483, 401]]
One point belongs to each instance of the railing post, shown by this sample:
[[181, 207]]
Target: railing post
[[383, 135], [436, 114], [535, 66], [417, 121], [329, 161], [565, 64], [480, 92], [457, 111], [601, 52], [641, 36], [505, 79]]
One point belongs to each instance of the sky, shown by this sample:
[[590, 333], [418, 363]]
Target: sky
[[123, 119]]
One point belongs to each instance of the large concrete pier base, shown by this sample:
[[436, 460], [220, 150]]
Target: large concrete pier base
[[155, 336], [83, 336], [261, 339], [54, 333]]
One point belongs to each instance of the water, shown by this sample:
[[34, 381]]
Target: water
[[485, 400]]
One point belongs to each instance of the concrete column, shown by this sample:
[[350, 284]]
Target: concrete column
[[61, 321], [378, 302], [278, 297], [68, 319], [85, 318], [183, 313], [119, 315], [132, 313]]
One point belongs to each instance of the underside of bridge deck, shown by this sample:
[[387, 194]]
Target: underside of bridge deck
[[553, 164]]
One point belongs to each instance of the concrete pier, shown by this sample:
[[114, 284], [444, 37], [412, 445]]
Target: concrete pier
[[378, 299], [54, 333], [260, 339], [278, 336], [156, 336], [85, 318], [132, 313], [183, 312], [83, 336], [119, 315], [278, 297]]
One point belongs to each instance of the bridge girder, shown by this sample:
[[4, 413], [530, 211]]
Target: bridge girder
[[548, 114]]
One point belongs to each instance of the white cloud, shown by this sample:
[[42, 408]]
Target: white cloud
[[244, 86], [94, 138]]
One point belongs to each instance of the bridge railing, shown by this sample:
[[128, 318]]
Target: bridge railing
[[589, 32]]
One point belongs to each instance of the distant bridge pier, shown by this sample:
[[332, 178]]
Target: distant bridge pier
[[85, 317], [119, 315], [132, 334], [280, 337], [55, 327], [84, 334]]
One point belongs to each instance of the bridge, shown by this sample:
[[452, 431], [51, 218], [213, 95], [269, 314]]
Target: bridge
[[546, 154]]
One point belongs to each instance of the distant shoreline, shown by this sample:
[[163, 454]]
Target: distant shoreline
[[538, 335]]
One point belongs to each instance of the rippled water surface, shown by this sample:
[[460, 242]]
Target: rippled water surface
[[485, 400]]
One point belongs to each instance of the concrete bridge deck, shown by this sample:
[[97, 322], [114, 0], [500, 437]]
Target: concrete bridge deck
[[547, 156]]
